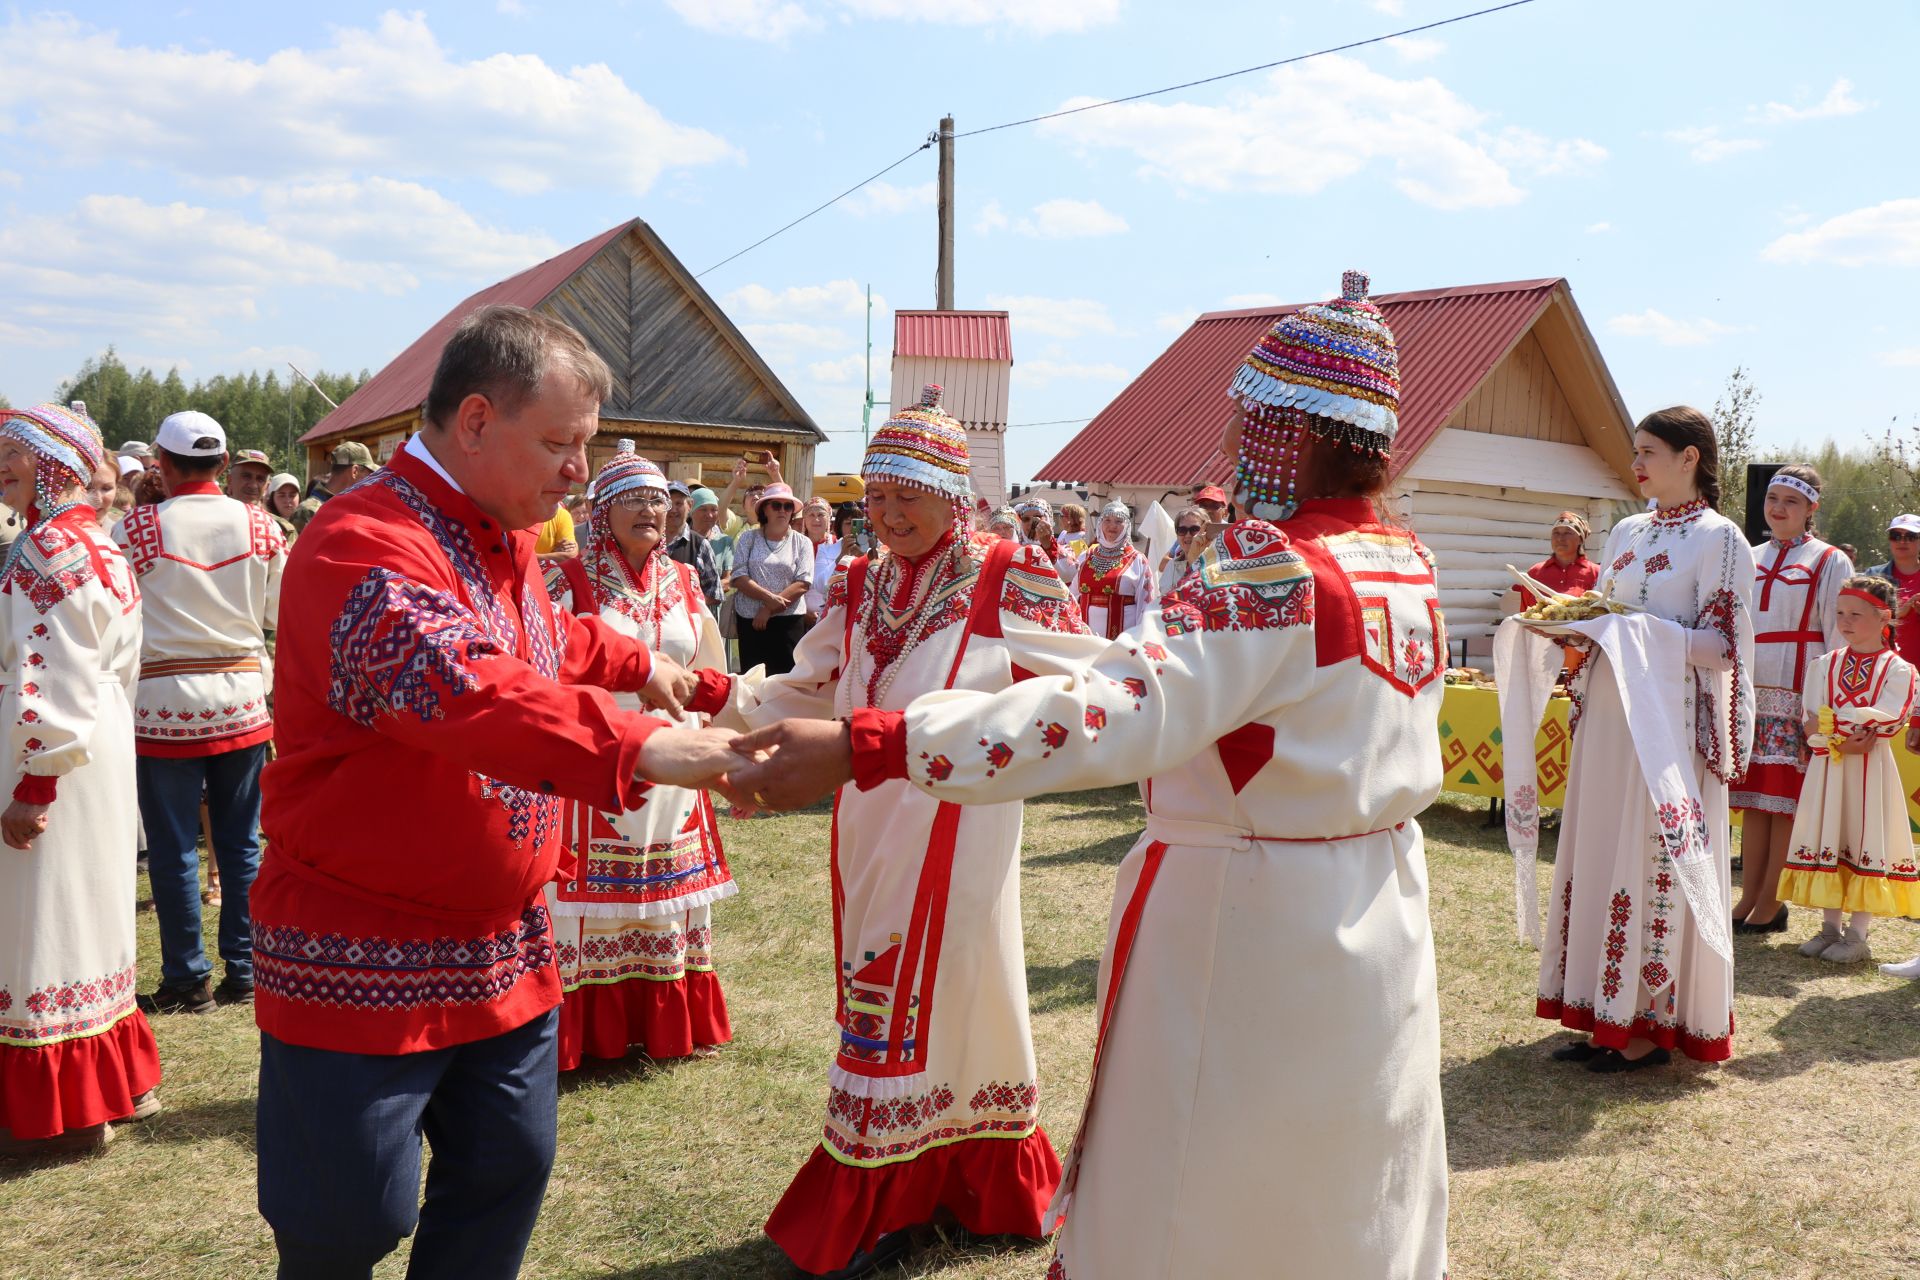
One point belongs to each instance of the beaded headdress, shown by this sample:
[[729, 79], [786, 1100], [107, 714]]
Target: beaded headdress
[[1332, 370], [923, 446], [1125, 513], [67, 451], [626, 470]]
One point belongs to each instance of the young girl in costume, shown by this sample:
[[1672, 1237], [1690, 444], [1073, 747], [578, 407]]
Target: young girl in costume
[[1850, 850]]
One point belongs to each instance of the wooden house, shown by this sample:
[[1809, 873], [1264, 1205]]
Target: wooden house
[[687, 386], [970, 355], [1508, 416]]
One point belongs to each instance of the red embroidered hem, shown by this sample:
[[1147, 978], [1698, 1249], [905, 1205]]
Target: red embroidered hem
[[76, 1084], [1611, 1035], [661, 1019], [1778, 781], [166, 750], [994, 1186]]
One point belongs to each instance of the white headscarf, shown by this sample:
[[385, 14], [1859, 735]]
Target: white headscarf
[[1114, 508]]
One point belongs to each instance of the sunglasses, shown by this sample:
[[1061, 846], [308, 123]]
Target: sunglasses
[[1187, 530], [1902, 537]]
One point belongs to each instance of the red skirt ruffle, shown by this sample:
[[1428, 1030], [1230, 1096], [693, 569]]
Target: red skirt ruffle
[[661, 1019], [993, 1186], [1611, 1035], [76, 1084]]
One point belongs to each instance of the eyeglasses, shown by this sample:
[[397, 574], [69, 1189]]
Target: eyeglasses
[[640, 500], [1187, 530], [1902, 537]]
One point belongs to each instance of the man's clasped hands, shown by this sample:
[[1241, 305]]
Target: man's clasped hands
[[786, 765]]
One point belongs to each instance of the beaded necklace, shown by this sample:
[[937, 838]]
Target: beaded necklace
[[893, 634]]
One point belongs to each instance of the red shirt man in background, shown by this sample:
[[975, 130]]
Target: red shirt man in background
[[404, 963], [1567, 570]]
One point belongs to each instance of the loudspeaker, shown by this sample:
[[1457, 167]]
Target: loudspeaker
[[1759, 476]]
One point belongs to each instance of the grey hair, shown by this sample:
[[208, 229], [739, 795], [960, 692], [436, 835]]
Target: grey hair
[[1184, 512], [504, 353]]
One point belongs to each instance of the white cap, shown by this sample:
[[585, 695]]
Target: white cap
[[284, 478], [191, 434], [1904, 524], [130, 467]]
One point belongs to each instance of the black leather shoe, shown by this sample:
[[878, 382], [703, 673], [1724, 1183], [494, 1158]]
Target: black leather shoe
[[1776, 925], [1578, 1051], [1613, 1062], [889, 1248]]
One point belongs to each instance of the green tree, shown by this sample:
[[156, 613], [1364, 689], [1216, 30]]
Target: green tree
[[1733, 415]]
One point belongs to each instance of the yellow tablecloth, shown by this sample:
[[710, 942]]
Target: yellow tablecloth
[[1470, 750]]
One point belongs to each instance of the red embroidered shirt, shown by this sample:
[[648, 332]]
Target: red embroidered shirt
[[1568, 579], [433, 711]]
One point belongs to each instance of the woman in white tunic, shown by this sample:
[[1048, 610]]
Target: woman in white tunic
[[75, 1051], [1797, 583], [1113, 581], [1625, 959], [632, 906], [1266, 1090], [933, 1101]]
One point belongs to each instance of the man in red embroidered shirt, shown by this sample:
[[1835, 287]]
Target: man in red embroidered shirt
[[209, 573], [404, 962]]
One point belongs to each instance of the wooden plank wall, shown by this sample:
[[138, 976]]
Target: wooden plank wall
[[681, 366], [974, 391], [595, 301], [1521, 397]]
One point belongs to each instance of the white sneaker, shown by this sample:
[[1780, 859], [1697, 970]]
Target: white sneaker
[[1820, 941], [1905, 969], [1847, 951]]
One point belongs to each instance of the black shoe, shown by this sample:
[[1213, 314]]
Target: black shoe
[[1776, 925], [197, 998], [889, 1248], [1578, 1051], [233, 991], [1613, 1062]]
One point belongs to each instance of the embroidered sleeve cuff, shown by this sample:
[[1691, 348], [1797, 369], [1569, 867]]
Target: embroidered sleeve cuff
[[710, 698], [36, 788], [879, 747]]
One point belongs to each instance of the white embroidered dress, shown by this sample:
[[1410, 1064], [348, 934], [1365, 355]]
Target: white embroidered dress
[[1266, 1092], [74, 1048], [632, 906], [1623, 958], [1113, 590], [1795, 586], [933, 1098]]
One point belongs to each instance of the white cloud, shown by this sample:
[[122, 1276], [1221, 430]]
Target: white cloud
[[1882, 235], [1838, 102], [1038, 373], [844, 297], [885, 198], [1054, 317], [835, 372], [411, 227], [1393, 8], [1036, 17], [1904, 358], [789, 336], [1706, 145], [1417, 48], [772, 20], [511, 8], [1319, 122], [1668, 331], [390, 98], [1174, 321], [1599, 228], [1059, 219]]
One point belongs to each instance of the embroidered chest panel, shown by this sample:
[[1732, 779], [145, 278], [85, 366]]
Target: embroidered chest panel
[[893, 626], [1251, 579]]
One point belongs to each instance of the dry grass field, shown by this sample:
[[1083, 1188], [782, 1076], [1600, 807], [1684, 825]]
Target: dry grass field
[[1796, 1160]]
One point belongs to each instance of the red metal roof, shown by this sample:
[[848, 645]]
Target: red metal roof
[[956, 335], [402, 385], [1165, 428]]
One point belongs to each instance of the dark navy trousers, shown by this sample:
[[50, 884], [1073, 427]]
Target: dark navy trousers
[[339, 1153]]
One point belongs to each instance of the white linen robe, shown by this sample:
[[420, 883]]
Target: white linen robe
[[1623, 959], [1266, 1096]]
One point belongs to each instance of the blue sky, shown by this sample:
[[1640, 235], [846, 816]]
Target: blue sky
[[227, 186]]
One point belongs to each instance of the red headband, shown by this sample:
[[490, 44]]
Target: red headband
[[1869, 597]]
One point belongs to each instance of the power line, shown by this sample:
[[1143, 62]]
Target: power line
[[1247, 71], [1113, 102]]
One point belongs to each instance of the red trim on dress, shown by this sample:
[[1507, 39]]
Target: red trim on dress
[[660, 1019], [36, 788], [1611, 1035], [76, 1084], [994, 1187]]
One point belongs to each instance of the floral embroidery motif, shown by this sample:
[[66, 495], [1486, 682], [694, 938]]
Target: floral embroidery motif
[[399, 973], [1250, 579], [999, 756], [1057, 1270], [880, 1130], [1622, 560], [1659, 562], [1096, 718], [1034, 591], [1654, 972], [1054, 734], [55, 562], [939, 768], [66, 1010], [1620, 911], [1720, 614], [1005, 1097]]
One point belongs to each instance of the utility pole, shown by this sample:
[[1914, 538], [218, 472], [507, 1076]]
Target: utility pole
[[866, 410], [943, 285]]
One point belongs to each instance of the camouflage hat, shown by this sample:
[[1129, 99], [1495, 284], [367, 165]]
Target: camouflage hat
[[354, 454], [253, 457]]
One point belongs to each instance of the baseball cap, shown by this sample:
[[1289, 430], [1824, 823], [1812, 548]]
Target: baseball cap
[[679, 487], [1211, 493], [130, 467], [191, 434], [704, 497], [281, 480], [252, 457], [135, 449], [353, 454], [1905, 523]]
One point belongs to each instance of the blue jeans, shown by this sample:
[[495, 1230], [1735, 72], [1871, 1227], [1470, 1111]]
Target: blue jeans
[[338, 1136], [170, 792]]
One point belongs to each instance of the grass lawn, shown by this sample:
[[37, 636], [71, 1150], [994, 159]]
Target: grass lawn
[[1796, 1159]]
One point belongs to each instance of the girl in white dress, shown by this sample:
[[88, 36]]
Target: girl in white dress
[[1852, 850], [1626, 960]]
